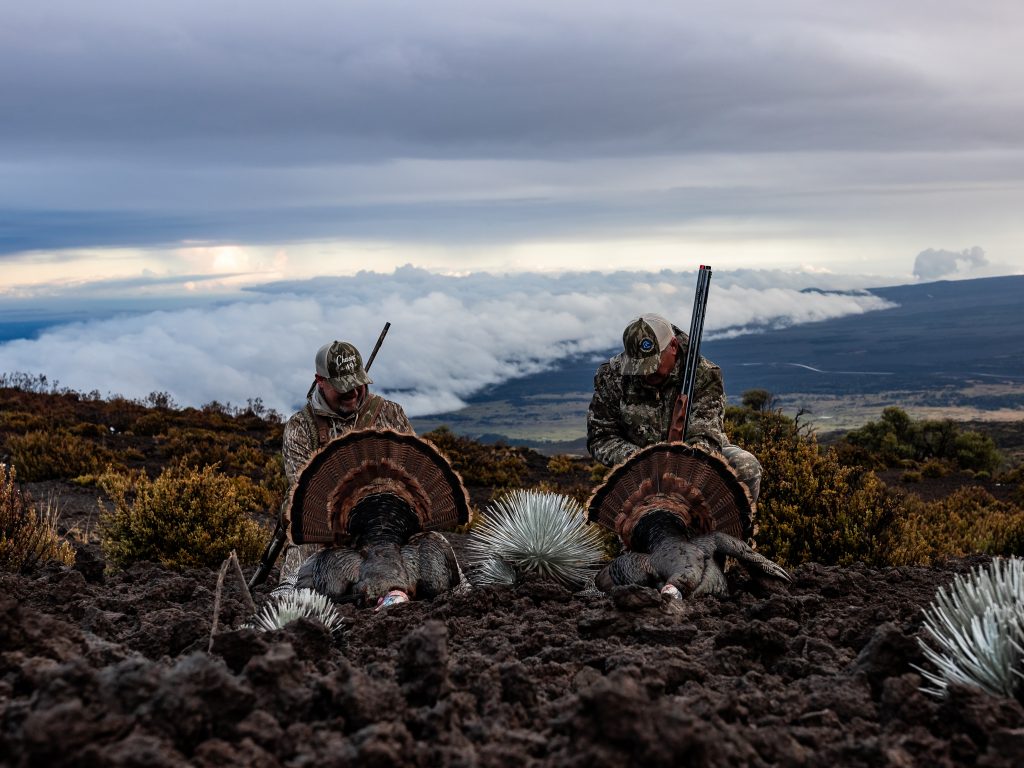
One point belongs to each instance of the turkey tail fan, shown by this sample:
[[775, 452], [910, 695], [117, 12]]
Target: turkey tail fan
[[360, 464], [698, 487]]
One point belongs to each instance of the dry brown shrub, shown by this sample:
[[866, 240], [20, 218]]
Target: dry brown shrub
[[562, 464], [233, 452], [28, 535], [40, 455], [151, 424], [21, 421], [968, 521]]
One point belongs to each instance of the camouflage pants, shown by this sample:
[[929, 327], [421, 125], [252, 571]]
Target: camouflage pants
[[748, 468]]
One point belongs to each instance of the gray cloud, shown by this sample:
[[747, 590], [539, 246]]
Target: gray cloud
[[350, 81], [932, 264], [450, 337], [454, 121]]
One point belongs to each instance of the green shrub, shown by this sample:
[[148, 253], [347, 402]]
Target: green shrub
[[912, 476], [186, 517], [496, 466], [1014, 478], [976, 451], [27, 535], [58, 455], [896, 439]]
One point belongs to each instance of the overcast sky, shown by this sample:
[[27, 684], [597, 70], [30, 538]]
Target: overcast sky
[[190, 146]]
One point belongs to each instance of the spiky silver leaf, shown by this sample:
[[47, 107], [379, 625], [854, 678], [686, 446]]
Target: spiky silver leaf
[[287, 606], [978, 624], [533, 532], [492, 570]]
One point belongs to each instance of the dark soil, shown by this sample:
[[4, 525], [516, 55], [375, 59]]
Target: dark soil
[[117, 670]]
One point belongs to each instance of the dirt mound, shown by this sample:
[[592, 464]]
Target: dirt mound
[[115, 670]]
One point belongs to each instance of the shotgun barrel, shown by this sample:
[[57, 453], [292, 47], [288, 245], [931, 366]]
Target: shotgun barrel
[[692, 362]]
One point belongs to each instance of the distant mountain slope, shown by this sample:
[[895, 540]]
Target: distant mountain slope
[[947, 344], [939, 334]]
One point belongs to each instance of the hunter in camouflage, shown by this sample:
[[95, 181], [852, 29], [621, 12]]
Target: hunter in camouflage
[[339, 402], [635, 393]]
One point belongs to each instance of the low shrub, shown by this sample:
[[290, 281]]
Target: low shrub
[[560, 464], [273, 484], [598, 472], [896, 439], [817, 505], [21, 421], [186, 517], [150, 424], [40, 455], [28, 535], [233, 452], [813, 506], [968, 521], [88, 429], [934, 468]]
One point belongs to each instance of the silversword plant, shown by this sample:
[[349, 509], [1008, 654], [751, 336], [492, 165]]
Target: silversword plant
[[977, 623], [288, 605], [533, 532]]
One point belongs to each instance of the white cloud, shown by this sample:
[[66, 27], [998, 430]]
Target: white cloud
[[932, 264], [450, 336]]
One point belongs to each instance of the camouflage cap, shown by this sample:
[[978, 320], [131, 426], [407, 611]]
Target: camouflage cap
[[643, 341], [341, 364]]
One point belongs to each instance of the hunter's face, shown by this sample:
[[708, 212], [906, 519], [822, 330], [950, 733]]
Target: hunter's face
[[668, 362], [342, 402]]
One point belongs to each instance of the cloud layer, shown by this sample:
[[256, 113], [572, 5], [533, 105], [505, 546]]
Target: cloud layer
[[450, 336]]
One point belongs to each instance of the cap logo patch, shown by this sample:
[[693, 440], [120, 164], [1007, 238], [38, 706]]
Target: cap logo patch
[[342, 360], [646, 345]]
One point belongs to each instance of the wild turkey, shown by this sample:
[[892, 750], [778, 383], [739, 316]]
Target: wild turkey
[[377, 499], [679, 511]]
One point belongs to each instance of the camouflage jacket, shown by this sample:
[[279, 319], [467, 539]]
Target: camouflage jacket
[[309, 429], [627, 414]]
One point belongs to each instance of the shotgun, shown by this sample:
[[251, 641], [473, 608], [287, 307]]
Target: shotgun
[[280, 536], [681, 409]]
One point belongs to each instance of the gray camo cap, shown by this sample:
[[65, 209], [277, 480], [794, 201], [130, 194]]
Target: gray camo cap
[[643, 341], [341, 364]]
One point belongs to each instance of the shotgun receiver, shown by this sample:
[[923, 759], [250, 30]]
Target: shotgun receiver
[[681, 409], [280, 536]]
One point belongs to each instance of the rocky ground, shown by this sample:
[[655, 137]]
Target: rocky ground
[[118, 669]]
